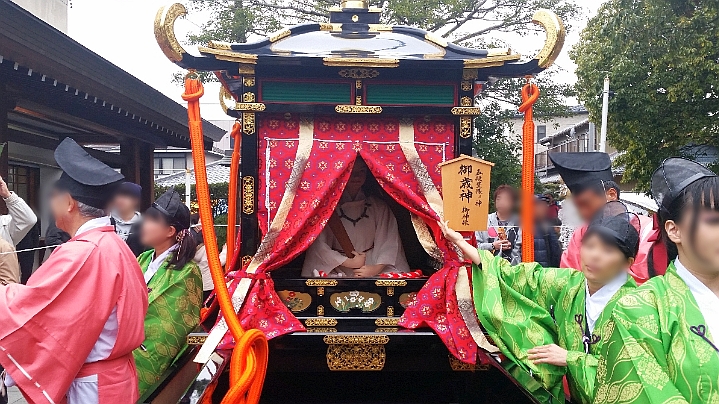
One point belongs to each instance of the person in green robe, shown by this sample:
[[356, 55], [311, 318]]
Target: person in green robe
[[551, 321], [174, 285], [662, 338]]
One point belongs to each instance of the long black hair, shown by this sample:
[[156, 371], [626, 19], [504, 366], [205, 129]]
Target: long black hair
[[187, 243], [702, 194]]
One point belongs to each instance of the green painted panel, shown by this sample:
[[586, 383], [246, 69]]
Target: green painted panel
[[403, 94], [329, 93]]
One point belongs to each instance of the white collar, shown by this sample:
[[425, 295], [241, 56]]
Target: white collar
[[706, 299], [157, 262], [94, 224], [595, 304]]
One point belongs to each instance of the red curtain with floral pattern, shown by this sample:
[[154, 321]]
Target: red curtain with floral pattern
[[311, 174]]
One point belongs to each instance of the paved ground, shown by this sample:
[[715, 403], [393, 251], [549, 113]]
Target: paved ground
[[14, 396]]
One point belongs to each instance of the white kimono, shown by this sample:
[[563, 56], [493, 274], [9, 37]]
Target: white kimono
[[375, 233]]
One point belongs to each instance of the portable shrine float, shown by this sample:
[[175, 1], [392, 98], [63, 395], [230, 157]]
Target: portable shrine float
[[309, 100]]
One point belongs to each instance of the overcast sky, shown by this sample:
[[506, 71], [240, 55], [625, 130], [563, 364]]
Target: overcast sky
[[121, 31]]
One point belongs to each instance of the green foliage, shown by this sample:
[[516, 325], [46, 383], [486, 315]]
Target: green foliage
[[661, 56], [218, 196]]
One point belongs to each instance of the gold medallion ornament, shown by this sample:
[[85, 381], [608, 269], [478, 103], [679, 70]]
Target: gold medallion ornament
[[248, 81], [248, 97], [320, 310], [248, 195], [359, 73], [465, 101], [320, 291], [358, 84], [466, 86], [246, 260]]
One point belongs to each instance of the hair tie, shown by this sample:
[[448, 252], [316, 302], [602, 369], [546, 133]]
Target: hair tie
[[181, 235]]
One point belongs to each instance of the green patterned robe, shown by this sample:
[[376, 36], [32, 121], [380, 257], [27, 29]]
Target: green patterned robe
[[526, 306], [175, 297], [651, 356]]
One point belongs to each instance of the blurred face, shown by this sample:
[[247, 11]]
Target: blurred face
[[700, 252], [155, 232], [602, 262], [357, 178], [589, 202], [541, 210], [124, 203], [61, 204], [504, 203]]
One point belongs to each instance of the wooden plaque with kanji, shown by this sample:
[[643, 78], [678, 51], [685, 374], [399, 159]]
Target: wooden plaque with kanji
[[465, 191]]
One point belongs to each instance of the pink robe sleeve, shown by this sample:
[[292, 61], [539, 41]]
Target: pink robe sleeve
[[570, 257]]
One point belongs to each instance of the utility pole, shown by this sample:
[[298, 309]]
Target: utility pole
[[188, 187], [605, 116]]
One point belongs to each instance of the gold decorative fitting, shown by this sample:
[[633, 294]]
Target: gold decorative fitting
[[358, 100], [320, 291], [165, 31], [358, 109], [248, 81], [248, 123], [219, 45], [248, 195], [354, 357], [330, 27], [459, 366], [556, 33], [437, 40], [355, 18], [321, 322], [390, 282], [465, 126], [250, 106], [229, 55], [321, 282], [225, 96], [280, 34], [356, 339], [386, 322], [469, 74], [246, 260], [380, 28], [466, 86], [295, 301], [320, 310], [385, 330], [360, 62], [498, 52], [358, 84], [193, 339], [490, 61], [346, 301], [390, 311], [390, 291], [321, 329], [466, 101], [466, 111], [359, 73], [248, 97], [245, 69]]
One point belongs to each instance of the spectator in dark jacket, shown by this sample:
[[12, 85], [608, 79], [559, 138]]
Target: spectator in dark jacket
[[547, 251], [125, 217]]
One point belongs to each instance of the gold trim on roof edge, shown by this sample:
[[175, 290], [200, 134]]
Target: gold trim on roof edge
[[228, 55], [490, 61], [284, 33], [436, 39], [556, 32], [360, 62], [165, 31], [219, 45]]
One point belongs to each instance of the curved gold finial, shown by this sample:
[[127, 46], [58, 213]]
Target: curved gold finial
[[556, 32], [225, 96], [165, 31]]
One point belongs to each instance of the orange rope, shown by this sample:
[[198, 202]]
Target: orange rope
[[530, 93], [249, 359], [232, 193]]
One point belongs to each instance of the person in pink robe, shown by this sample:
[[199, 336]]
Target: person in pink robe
[[68, 335], [590, 180]]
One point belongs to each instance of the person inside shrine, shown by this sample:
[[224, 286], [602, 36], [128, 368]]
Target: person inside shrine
[[503, 236], [174, 286], [372, 229], [589, 178], [664, 341], [552, 321]]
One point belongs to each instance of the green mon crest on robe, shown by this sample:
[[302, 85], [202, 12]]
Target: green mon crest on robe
[[526, 305], [175, 298], [651, 355]]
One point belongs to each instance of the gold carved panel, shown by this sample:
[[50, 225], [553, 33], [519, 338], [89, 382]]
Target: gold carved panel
[[321, 282], [390, 282], [358, 109], [359, 73], [248, 123], [466, 86], [465, 126], [248, 195], [321, 322], [356, 352], [248, 81], [466, 111], [295, 301], [248, 97], [386, 322], [346, 301]]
